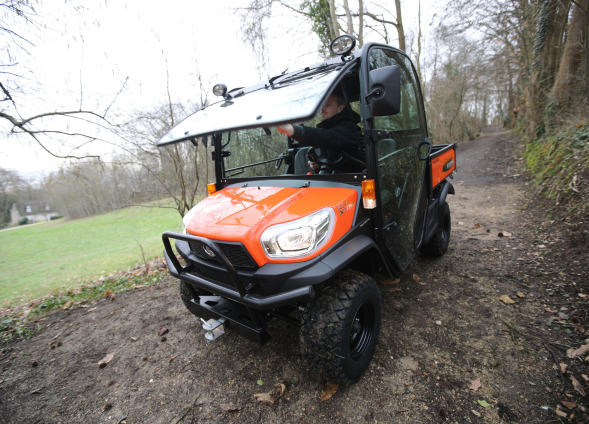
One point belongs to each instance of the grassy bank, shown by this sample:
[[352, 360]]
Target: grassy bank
[[61, 254], [559, 161]]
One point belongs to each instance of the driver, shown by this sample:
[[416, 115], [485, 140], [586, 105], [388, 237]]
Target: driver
[[338, 130]]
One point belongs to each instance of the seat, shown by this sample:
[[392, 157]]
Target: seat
[[301, 162]]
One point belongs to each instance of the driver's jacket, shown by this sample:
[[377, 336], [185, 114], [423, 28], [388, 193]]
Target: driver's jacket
[[340, 132]]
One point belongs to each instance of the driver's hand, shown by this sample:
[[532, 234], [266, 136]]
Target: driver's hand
[[314, 165], [286, 129]]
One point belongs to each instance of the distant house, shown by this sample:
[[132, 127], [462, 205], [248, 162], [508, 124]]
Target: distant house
[[35, 211]]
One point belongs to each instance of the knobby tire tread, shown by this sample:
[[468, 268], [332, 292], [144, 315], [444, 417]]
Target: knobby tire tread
[[322, 344]]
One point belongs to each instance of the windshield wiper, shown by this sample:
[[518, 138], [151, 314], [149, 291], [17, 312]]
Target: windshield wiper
[[249, 166], [307, 72]]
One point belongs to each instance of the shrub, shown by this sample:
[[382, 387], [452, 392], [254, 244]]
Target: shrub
[[53, 218], [23, 221]]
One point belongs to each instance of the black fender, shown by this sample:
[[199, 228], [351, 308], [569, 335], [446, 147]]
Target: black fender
[[446, 189], [356, 252]]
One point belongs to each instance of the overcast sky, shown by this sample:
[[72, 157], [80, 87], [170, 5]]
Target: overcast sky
[[88, 55]]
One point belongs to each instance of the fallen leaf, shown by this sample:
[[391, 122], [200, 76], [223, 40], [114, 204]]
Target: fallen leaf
[[520, 295], [416, 277], [585, 377], [582, 295], [109, 294], [552, 311], [395, 289], [264, 397], [162, 331], [421, 283], [102, 363], [260, 382], [106, 407], [570, 405], [572, 352], [461, 223], [483, 403], [388, 282], [475, 385], [230, 407], [134, 339], [91, 309], [329, 390], [561, 414], [438, 322], [506, 299], [281, 389], [563, 367], [478, 225], [485, 250], [504, 234], [172, 358], [578, 386], [475, 412]]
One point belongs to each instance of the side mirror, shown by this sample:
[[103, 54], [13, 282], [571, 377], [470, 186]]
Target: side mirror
[[385, 91]]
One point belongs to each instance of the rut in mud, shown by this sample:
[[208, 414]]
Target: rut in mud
[[443, 327]]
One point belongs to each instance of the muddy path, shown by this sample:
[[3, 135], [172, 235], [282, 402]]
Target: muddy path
[[436, 338]]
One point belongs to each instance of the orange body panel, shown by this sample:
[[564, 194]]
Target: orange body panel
[[243, 214], [442, 166]]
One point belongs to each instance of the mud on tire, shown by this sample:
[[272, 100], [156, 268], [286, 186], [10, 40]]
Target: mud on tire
[[187, 297], [341, 327], [438, 244]]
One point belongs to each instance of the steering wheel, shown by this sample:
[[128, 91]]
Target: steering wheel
[[324, 160]]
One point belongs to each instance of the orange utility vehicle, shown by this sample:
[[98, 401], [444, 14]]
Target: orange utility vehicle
[[277, 240]]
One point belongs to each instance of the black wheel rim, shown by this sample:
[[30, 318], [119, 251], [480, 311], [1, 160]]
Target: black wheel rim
[[362, 331]]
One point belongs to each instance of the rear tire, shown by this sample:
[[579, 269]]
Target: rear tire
[[341, 327], [438, 244], [187, 298]]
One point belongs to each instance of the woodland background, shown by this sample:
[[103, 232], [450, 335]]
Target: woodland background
[[520, 64]]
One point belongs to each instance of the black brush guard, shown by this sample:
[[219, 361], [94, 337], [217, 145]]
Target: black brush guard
[[240, 309]]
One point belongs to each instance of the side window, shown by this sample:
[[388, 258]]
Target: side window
[[410, 116]]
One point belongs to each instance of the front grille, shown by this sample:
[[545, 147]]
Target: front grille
[[223, 277], [235, 253]]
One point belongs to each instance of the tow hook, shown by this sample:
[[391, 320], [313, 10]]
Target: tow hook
[[213, 328]]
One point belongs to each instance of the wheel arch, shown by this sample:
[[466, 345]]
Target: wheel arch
[[361, 254]]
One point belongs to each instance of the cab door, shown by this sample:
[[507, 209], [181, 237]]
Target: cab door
[[400, 171]]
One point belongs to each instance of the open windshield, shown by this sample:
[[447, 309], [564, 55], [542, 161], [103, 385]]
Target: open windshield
[[286, 98]]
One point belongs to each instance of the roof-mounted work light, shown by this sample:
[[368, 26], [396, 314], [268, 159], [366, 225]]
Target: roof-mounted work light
[[220, 90], [343, 45]]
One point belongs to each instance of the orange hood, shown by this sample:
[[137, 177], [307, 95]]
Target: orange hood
[[242, 214]]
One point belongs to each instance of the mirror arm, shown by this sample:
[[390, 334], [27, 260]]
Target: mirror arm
[[375, 92]]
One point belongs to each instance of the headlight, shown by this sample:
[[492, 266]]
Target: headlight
[[188, 217], [300, 237]]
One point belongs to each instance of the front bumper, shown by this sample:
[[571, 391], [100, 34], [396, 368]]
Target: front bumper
[[239, 293]]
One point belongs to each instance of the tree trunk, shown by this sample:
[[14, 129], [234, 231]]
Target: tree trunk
[[361, 23], [335, 26], [545, 45], [400, 30], [421, 82], [572, 56], [349, 18]]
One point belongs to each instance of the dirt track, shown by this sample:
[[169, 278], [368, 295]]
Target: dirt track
[[436, 338]]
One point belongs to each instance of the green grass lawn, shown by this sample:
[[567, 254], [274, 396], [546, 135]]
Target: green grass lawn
[[61, 254]]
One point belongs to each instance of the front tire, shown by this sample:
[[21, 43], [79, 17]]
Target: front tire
[[341, 327], [438, 244]]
